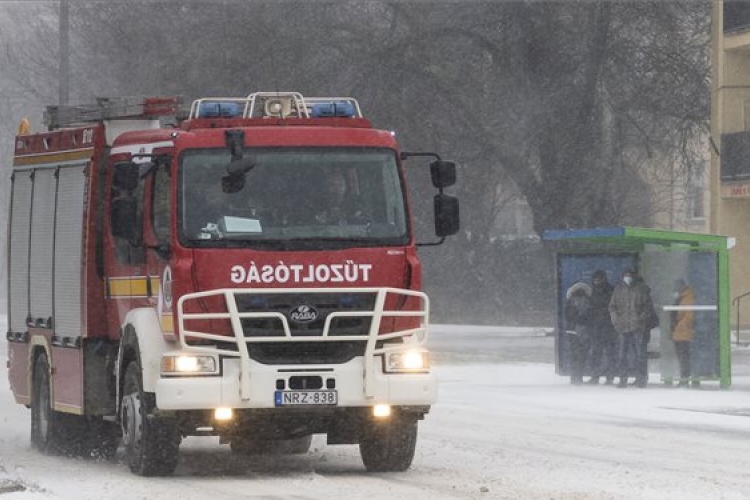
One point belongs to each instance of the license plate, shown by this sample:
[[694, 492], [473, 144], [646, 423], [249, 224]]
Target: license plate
[[291, 398]]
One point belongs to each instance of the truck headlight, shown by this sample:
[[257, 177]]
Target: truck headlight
[[407, 361], [186, 364]]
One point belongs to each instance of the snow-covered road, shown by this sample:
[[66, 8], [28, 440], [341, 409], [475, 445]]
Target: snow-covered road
[[502, 429]]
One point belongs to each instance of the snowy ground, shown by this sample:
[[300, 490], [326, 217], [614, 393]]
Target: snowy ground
[[503, 429]]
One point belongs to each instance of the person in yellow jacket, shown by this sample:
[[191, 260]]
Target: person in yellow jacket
[[683, 331]]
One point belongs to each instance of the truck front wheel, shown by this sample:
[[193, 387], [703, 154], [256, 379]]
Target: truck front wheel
[[46, 430], [389, 446], [151, 443]]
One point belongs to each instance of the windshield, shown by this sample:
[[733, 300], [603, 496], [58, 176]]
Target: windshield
[[293, 198]]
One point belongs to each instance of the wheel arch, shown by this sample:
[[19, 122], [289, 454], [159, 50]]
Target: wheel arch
[[39, 345], [141, 340]]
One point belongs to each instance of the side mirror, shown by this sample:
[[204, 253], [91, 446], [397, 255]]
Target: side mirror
[[126, 176], [443, 173], [446, 215]]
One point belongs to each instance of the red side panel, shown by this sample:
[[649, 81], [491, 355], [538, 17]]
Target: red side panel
[[67, 376], [18, 370]]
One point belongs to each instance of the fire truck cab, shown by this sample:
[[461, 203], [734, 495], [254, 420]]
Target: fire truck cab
[[246, 269]]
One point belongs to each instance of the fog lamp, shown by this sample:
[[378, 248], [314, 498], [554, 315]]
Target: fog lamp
[[381, 411], [223, 414]]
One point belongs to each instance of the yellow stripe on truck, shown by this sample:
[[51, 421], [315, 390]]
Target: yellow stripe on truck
[[132, 287], [53, 157]]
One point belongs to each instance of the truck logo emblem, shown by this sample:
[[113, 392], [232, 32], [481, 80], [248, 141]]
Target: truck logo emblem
[[303, 314], [166, 287]]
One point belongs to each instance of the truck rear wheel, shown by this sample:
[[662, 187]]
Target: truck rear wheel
[[389, 446], [151, 443], [46, 425]]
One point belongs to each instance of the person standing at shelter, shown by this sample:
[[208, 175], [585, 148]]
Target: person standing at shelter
[[682, 328], [630, 309], [578, 318], [603, 353]]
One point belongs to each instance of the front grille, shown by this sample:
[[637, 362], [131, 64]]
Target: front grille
[[308, 353], [322, 304]]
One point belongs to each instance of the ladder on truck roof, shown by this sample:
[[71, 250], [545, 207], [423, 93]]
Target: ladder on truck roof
[[112, 108]]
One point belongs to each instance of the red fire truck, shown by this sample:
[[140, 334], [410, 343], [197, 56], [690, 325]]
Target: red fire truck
[[246, 269]]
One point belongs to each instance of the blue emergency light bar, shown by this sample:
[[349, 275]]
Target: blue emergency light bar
[[217, 109], [330, 109], [275, 105]]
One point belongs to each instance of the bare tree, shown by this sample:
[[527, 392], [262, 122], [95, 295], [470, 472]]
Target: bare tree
[[565, 103]]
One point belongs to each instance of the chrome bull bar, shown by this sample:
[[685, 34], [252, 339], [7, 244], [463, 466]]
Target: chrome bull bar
[[412, 337]]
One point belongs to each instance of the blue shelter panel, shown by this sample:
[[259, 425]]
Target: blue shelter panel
[[572, 268]]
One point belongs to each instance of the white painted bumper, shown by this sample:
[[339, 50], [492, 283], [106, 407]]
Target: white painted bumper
[[201, 393]]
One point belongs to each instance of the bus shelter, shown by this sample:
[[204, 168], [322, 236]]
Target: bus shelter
[[661, 258]]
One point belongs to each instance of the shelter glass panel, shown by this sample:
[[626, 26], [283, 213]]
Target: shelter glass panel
[[685, 293]]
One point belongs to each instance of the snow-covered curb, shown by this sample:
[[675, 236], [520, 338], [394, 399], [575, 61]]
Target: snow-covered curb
[[493, 331]]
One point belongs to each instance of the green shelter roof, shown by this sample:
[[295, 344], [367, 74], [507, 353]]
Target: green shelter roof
[[633, 238]]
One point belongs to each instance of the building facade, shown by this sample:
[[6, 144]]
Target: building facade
[[730, 139]]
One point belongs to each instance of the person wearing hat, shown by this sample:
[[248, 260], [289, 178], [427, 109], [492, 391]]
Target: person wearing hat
[[682, 328], [631, 309], [578, 317]]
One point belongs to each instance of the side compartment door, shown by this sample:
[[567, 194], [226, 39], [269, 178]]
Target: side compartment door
[[18, 284], [67, 264]]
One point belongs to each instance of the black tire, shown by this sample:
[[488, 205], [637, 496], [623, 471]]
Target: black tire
[[46, 425], [389, 446], [151, 443]]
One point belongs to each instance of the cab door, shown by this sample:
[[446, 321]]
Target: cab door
[[125, 279], [158, 238]]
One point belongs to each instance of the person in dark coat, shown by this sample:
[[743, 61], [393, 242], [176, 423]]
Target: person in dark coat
[[603, 354], [631, 309], [578, 318]]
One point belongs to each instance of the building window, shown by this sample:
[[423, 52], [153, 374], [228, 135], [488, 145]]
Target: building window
[[736, 15]]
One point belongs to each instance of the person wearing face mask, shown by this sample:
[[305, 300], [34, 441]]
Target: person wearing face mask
[[630, 309], [682, 328]]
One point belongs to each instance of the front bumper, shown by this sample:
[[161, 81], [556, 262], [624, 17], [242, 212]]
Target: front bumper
[[244, 382], [225, 389]]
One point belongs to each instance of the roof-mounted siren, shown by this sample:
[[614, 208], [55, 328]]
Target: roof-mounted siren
[[278, 107]]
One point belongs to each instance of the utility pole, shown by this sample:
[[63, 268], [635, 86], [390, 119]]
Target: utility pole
[[64, 69]]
